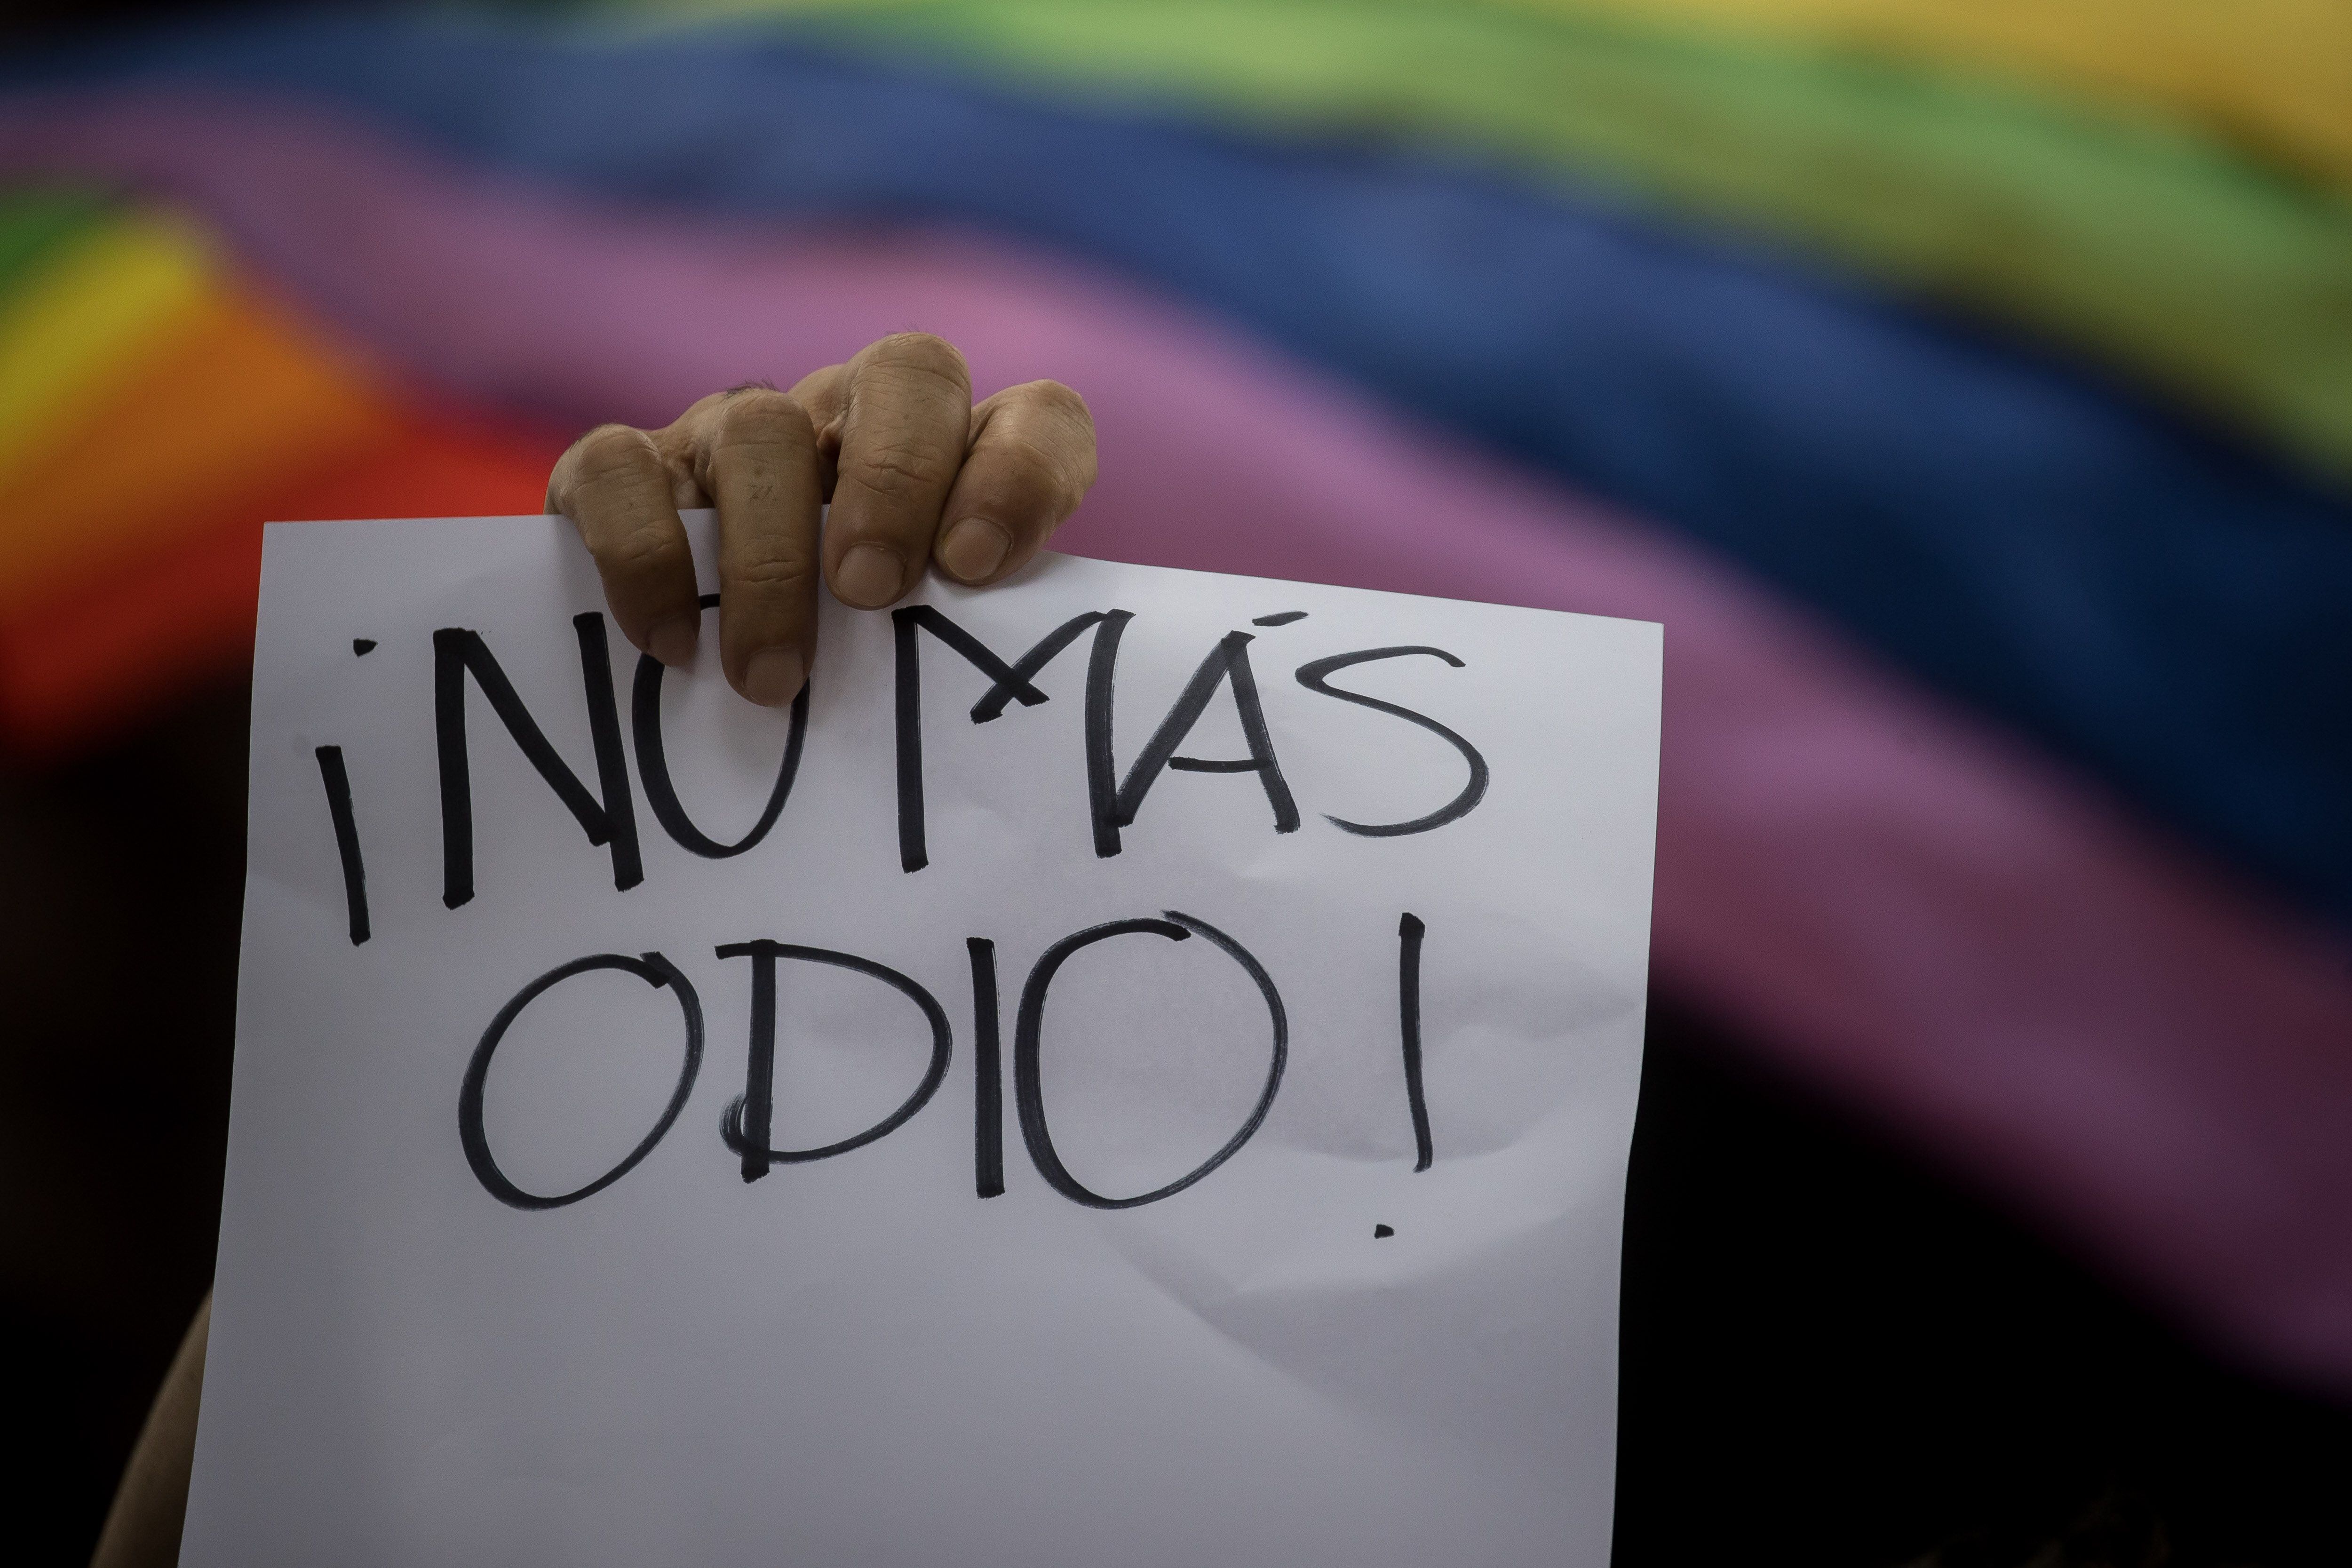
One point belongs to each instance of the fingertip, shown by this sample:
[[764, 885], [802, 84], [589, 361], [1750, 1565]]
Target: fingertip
[[870, 576], [673, 640], [973, 550], [1031, 461], [773, 676]]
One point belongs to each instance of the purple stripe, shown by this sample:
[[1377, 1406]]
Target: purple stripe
[[1913, 912]]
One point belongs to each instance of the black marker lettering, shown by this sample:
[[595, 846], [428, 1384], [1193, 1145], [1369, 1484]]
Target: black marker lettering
[[654, 969], [988, 1073], [614, 820], [1029, 1090], [1283, 619], [1011, 682], [1102, 767], [1409, 934], [347, 838], [749, 1123], [362, 647], [653, 763], [1227, 662], [1313, 676]]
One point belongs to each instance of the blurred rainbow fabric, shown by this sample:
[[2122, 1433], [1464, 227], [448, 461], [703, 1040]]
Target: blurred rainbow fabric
[[1966, 385]]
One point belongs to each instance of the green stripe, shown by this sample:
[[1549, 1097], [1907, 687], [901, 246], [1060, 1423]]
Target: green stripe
[[36, 222], [2133, 239]]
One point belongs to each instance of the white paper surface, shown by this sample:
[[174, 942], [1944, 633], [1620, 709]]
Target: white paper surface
[[858, 1358]]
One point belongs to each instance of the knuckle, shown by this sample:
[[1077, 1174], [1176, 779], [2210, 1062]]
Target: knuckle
[[641, 551], [820, 393], [1038, 466], [903, 467], [1049, 474], [614, 451], [1048, 426], [785, 576], [923, 354], [763, 417], [1056, 401]]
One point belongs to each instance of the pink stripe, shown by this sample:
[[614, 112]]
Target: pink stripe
[[1915, 913]]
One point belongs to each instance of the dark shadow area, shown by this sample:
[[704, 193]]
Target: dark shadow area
[[35, 22], [1833, 1356], [124, 874]]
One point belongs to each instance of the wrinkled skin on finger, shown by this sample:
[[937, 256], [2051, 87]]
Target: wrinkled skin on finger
[[917, 474]]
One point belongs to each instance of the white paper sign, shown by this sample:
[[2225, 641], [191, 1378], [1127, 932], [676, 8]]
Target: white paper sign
[[1180, 1119]]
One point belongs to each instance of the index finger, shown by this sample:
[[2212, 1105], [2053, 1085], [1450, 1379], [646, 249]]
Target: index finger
[[620, 491]]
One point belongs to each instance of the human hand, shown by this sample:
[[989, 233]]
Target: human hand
[[915, 473]]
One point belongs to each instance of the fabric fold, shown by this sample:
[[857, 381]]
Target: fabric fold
[[1907, 906]]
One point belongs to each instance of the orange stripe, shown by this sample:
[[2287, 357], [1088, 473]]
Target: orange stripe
[[77, 667], [231, 409]]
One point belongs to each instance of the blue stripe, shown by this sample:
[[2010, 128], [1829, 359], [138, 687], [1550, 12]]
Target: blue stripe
[[2171, 613]]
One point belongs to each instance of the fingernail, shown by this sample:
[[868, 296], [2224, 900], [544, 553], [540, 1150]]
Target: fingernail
[[672, 642], [974, 549], [869, 577], [773, 677]]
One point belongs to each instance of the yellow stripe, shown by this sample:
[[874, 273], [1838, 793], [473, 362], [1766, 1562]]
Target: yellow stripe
[[85, 319], [2273, 76]]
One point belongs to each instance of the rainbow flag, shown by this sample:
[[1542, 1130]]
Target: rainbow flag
[[1966, 385]]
